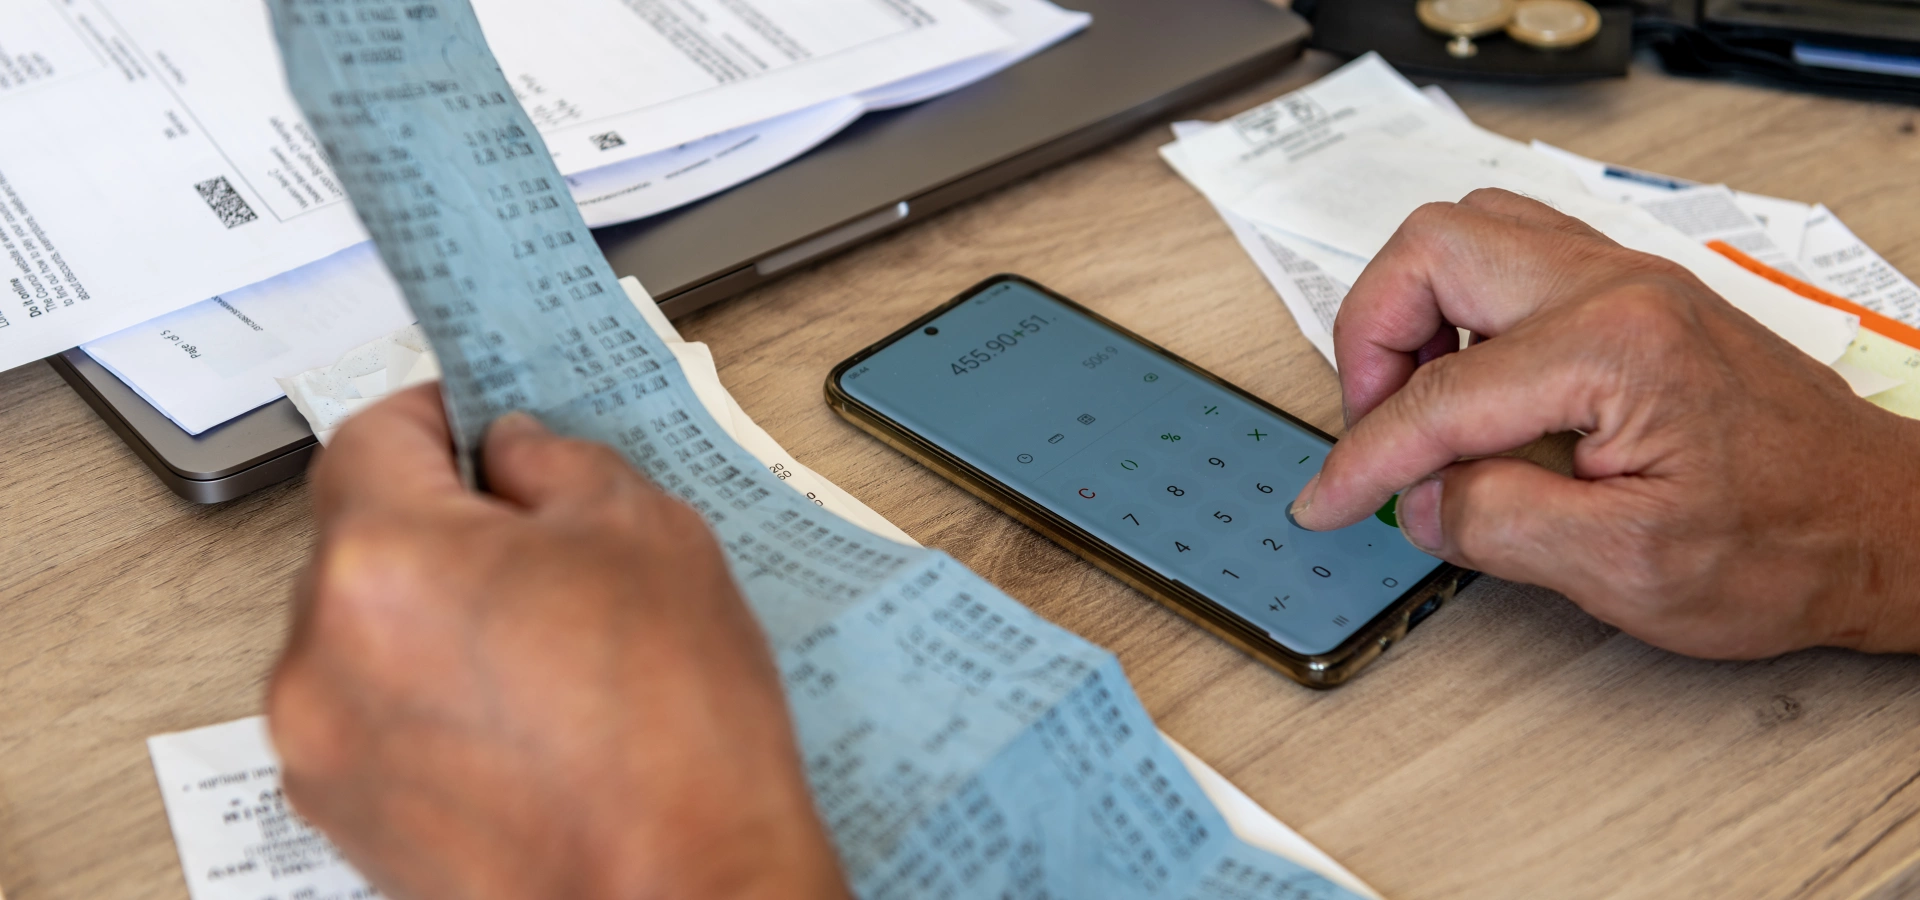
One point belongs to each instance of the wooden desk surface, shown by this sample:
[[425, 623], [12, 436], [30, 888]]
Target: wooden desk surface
[[1514, 748]]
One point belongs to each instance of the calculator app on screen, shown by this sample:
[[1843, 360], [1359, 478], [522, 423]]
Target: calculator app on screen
[[1160, 463]]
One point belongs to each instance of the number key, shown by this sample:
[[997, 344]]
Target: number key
[[1210, 464], [1215, 518]]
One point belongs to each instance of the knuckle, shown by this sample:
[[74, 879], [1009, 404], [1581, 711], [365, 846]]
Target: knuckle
[[1490, 196], [1431, 221]]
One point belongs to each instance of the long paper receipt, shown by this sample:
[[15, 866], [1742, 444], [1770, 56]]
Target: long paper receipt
[[956, 743]]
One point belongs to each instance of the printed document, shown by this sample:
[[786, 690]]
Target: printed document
[[608, 80], [149, 160], [658, 182], [1347, 158], [198, 394], [671, 178], [1034, 24], [154, 159]]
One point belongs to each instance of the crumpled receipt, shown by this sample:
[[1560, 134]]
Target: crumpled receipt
[[328, 396]]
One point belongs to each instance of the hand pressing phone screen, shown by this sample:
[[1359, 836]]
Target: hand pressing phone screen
[[1146, 465]]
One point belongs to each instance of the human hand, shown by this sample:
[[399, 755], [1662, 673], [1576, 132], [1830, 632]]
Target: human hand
[[1731, 498], [553, 691]]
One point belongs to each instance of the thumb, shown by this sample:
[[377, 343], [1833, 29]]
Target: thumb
[[529, 465], [1512, 519]]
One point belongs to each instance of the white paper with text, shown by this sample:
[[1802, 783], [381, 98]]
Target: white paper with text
[[150, 161]]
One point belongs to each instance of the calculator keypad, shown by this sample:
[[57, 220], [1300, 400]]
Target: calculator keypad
[[1168, 467], [1198, 485]]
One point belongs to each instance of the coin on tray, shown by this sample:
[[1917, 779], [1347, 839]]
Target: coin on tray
[[1464, 20], [1554, 24]]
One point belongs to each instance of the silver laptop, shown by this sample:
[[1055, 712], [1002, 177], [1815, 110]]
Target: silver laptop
[[1140, 61]]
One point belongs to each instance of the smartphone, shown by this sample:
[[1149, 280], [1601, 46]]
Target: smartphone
[[1167, 477]]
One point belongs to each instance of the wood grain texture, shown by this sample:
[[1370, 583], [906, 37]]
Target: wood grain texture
[[1514, 748]]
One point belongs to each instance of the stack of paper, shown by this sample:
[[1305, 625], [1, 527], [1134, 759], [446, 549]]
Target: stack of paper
[[207, 774], [1315, 182], [153, 161]]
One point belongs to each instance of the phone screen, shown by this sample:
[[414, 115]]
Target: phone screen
[[1164, 465]]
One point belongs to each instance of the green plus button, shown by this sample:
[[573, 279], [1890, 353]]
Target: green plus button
[[1387, 512]]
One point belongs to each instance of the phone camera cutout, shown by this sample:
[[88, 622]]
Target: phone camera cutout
[[932, 331]]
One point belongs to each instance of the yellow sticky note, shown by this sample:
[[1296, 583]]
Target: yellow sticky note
[[1876, 352]]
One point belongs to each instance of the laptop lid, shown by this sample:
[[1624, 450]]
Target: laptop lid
[[1137, 62]]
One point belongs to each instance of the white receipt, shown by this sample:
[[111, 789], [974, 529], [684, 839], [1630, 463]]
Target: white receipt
[[1346, 159], [1311, 278], [1444, 102], [1842, 263], [237, 838], [1309, 292]]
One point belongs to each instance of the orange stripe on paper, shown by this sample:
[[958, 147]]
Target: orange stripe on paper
[[1872, 321]]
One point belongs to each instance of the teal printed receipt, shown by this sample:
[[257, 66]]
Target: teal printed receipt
[[957, 744]]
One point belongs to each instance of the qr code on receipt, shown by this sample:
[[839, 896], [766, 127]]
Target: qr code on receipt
[[225, 202], [1273, 122]]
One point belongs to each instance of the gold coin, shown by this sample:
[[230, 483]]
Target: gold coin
[[1465, 18], [1554, 24]]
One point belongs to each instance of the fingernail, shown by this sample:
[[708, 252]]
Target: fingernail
[[517, 424], [1346, 414], [1419, 514], [1302, 502]]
